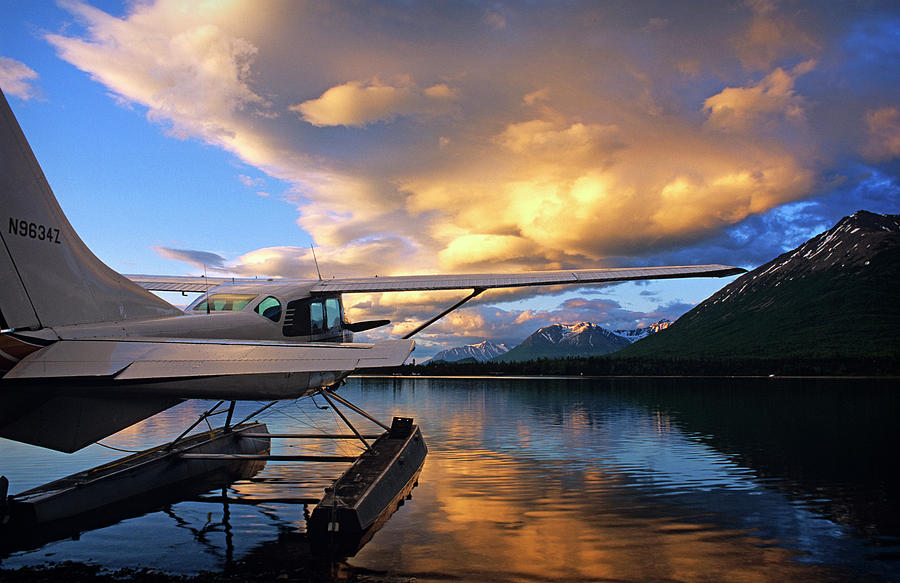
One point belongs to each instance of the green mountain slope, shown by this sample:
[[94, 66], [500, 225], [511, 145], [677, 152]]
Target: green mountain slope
[[835, 296]]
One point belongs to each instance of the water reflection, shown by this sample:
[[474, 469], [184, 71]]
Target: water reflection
[[539, 470], [825, 443], [567, 480]]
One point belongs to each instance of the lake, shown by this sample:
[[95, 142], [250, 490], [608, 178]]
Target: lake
[[541, 479]]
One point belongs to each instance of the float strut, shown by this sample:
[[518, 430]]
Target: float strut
[[360, 411], [4, 489], [195, 424], [230, 413], [347, 421], [257, 412]]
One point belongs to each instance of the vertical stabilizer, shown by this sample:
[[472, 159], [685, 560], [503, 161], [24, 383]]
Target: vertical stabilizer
[[49, 276]]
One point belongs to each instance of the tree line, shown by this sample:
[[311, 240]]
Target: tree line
[[610, 366]]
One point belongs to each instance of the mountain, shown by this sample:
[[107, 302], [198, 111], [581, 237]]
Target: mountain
[[481, 352], [833, 297], [575, 340], [639, 333], [565, 340]]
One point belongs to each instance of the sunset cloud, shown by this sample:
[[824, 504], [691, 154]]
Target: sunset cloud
[[186, 70], [553, 181], [495, 19], [422, 139], [773, 99], [883, 127], [543, 140], [17, 78], [358, 104], [771, 35]]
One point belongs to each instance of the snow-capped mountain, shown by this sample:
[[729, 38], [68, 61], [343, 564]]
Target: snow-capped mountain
[[584, 338], [481, 352], [642, 332], [562, 340], [833, 297], [846, 247]]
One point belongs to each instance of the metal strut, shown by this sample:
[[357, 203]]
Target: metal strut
[[255, 413], [475, 292], [214, 411], [230, 413], [347, 421], [358, 410], [4, 504], [199, 420]]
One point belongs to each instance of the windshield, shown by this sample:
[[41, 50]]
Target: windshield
[[225, 302]]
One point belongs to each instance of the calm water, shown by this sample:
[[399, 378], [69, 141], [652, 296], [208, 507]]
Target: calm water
[[558, 480]]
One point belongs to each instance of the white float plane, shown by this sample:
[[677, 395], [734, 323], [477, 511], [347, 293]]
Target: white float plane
[[85, 351]]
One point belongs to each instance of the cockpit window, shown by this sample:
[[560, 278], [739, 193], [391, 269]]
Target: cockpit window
[[225, 303], [269, 308], [333, 311], [316, 317]]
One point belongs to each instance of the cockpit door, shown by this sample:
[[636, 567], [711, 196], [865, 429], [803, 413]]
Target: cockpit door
[[314, 317]]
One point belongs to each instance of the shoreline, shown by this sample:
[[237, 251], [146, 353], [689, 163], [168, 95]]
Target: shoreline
[[626, 377]]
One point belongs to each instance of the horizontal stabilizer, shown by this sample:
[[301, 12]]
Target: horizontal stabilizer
[[157, 358]]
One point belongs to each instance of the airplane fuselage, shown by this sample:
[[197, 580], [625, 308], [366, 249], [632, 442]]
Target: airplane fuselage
[[264, 311]]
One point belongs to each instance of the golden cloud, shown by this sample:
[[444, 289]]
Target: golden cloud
[[773, 98], [551, 193], [479, 248], [357, 104], [531, 157], [883, 129], [548, 183]]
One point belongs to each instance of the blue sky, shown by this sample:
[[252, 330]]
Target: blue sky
[[413, 138]]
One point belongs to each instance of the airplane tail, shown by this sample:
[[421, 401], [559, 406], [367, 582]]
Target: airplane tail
[[49, 276]]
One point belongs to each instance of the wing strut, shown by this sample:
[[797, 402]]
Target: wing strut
[[475, 292]]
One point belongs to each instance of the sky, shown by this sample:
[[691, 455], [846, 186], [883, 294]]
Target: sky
[[413, 138]]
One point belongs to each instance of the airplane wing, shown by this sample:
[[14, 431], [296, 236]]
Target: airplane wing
[[176, 359], [451, 281], [505, 280], [73, 392]]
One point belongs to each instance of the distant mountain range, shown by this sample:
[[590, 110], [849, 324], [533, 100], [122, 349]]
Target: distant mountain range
[[835, 296], [482, 352], [566, 340], [644, 331], [556, 341]]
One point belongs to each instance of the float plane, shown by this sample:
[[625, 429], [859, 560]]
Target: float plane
[[86, 351]]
